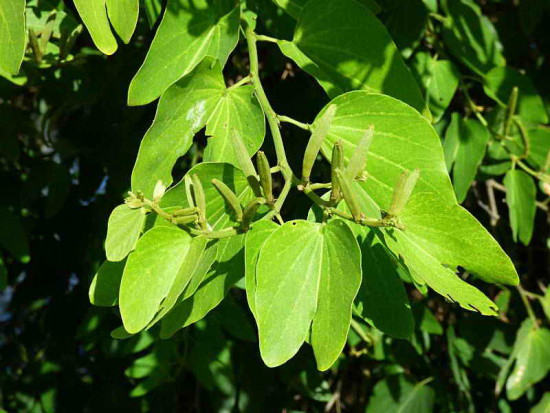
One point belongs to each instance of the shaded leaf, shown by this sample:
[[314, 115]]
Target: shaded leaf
[[400, 394], [123, 15], [105, 286], [520, 197]]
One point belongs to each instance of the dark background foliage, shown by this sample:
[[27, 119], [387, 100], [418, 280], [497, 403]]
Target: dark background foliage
[[67, 145]]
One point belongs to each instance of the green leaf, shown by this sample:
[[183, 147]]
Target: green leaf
[[307, 274], [13, 35], [404, 140], [532, 359], [94, 15], [294, 7], [356, 53], [521, 196], [149, 274], [539, 146], [499, 83], [189, 31], [452, 140], [382, 299], [543, 405], [225, 272], [456, 238], [406, 21], [472, 145], [124, 17], [338, 286], [13, 236], [471, 37], [439, 80], [439, 237], [182, 111], [125, 225], [400, 394], [237, 110], [204, 264], [255, 239], [105, 286], [191, 264], [198, 99], [545, 303]]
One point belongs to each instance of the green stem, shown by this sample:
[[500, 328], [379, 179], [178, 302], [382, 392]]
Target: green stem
[[527, 304], [241, 82], [264, 38], [301, 125], [367, 338]]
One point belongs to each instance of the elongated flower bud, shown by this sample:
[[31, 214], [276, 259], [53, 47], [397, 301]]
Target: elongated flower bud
[[402, 192], [349, 197], [185, 212], [337, 163], [511, 110], [316, 141], [358, 160], [245, 162], [229, 197], [185, 220], [265, 176], [250, 211], [199, 198]]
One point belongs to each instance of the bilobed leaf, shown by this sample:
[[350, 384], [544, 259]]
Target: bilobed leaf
[[287, 281], [404, 140], [532, 359], [125, 225], [106, 284], [94, 15], [455, 238], [338, 285], [123, 15], [149, 274], [255, 238], [12, 33], [307, 274], [189, 31], [471, 37], [439, 80], [499, 83], [356, 53], [237, 110], [225, 272], [521, 196], [199, 99], [182, 111], [398, 393], [472, 145]]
